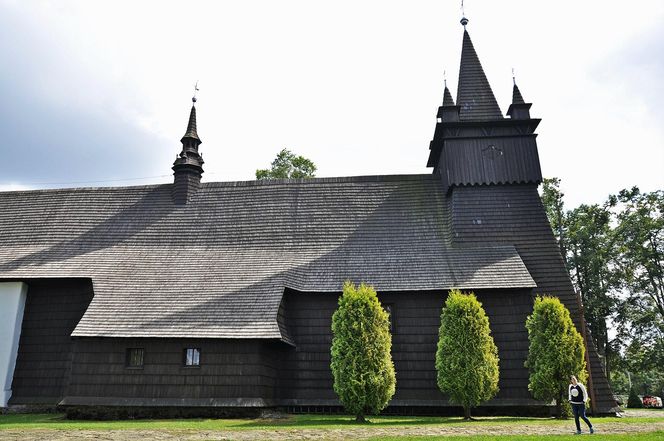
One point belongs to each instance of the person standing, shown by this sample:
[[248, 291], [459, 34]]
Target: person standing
[[578, 397]]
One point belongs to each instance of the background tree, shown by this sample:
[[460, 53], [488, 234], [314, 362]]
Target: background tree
[[591, 259], [288, 165], [552, 199], [615, 255], [361, 364], [640, 237], [588, 246], [555, 353], [467, 357]]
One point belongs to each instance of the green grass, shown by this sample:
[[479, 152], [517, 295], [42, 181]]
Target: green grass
[[650, 436], [58, 422]]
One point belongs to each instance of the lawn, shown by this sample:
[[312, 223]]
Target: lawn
[[649, 436], [650, 426]]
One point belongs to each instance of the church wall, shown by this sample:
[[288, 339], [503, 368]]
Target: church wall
[[231, 373], [53, 307], [306, 378], [513, 214]]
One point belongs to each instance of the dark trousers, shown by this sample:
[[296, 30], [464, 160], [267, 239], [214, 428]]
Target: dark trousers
[[579, 411]]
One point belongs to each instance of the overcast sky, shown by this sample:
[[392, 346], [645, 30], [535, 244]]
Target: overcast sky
[[100, 90]]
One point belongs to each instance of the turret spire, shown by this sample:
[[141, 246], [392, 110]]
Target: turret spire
[[519, 109], [188, 165], [447, 98], [474, 93], [516, 95]]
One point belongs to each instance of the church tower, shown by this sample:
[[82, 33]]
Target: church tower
[[473, 144], [489, 168]]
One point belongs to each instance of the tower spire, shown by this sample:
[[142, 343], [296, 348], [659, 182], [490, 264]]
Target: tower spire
[[188, 165], [474, 93]]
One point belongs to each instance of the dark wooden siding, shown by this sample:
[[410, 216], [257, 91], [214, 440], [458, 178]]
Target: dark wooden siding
[[490, 161], [232, 372], [53, 308], [514, 214], [306, 378]]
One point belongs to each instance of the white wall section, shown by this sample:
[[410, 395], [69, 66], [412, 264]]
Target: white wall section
[[12, 305]]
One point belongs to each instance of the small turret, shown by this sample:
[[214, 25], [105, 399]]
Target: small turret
[[519, 109], [188, 165]]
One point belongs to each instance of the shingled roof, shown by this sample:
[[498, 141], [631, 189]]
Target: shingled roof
[[218, 267]]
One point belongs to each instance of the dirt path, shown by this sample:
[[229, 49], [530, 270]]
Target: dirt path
[[358, 433]]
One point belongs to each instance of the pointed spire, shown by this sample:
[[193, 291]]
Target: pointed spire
[[519, 109], [447, 98], [516, 95], [474, 93], [191, 126]]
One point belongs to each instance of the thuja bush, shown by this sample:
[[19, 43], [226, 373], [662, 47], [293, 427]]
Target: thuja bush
[[467, 357], [633, 400], [556, 352], [361, 364]]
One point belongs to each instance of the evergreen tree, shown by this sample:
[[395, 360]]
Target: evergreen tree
[[633, 401], [362, 365], [556, 351], [467, 357]]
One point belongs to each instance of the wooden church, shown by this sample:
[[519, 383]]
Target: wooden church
[[218, 296]]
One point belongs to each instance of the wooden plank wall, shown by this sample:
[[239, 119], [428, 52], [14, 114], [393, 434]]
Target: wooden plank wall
[[230, 369], [513, 214], [52, 310], [306, 378]]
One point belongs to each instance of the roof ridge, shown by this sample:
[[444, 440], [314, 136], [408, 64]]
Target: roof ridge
[[254, 182]]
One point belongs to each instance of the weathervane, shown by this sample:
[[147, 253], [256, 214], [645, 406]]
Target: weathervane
[[193, 99]]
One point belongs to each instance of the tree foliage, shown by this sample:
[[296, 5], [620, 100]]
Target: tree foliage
[[362, 367], [555, 353], [615, 254], [640, 235], [552, 199], [287, 165], [591, 258], [467, 357]]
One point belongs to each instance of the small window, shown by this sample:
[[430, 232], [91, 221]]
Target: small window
[[135, 357], [192, 357], [389, 308]]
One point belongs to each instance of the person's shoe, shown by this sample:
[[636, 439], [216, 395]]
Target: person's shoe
[[578, 432], [592, 430]]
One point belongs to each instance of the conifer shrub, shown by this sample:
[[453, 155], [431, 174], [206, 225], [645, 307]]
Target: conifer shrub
[[362, 367], [467, 357], [633, 401], [556, 352]]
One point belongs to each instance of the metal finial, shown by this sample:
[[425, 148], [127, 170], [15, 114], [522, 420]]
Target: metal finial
[[445, 77], [513, 77], [464, 20], [193, 99]]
